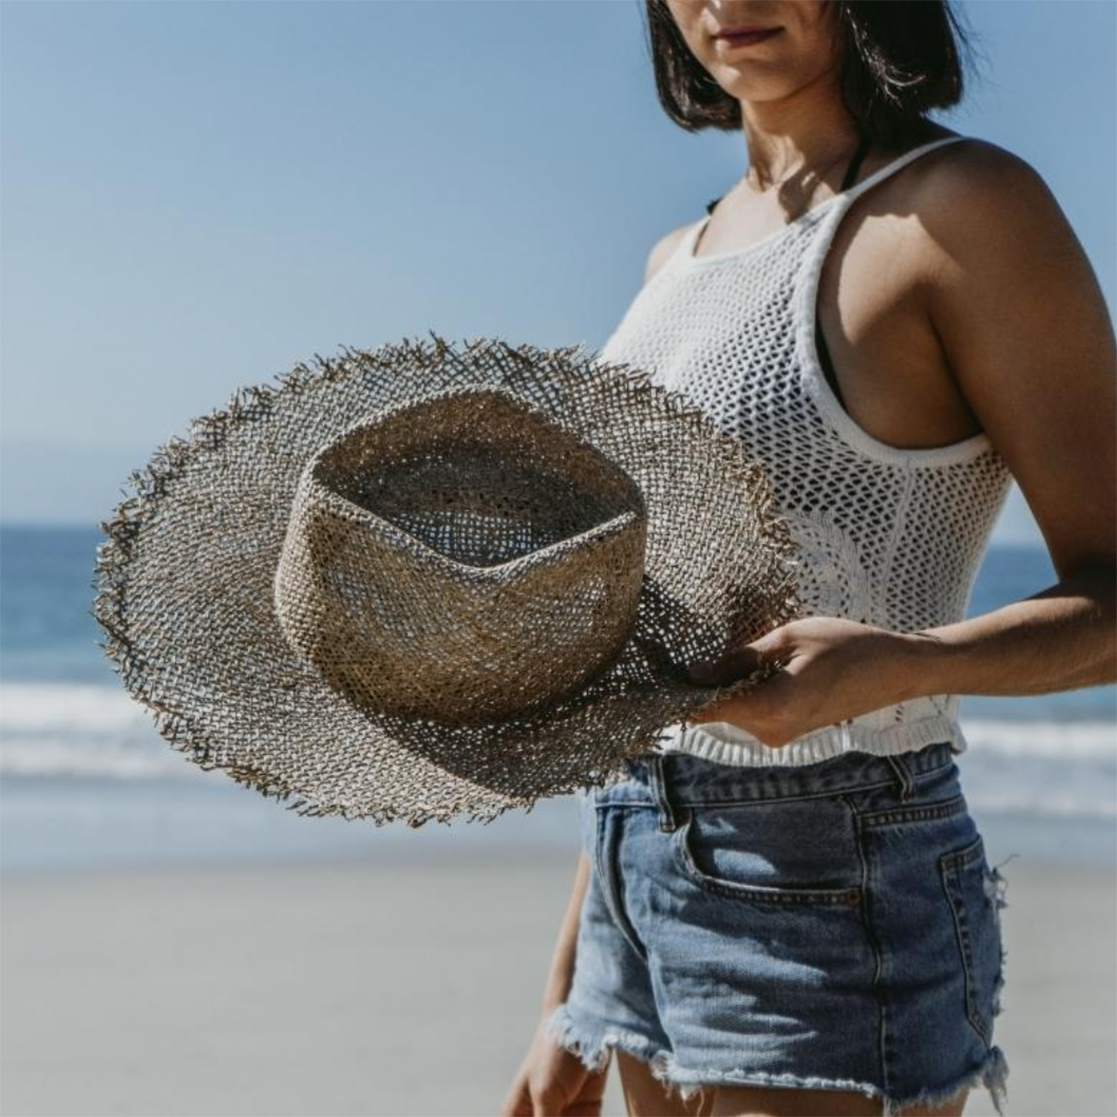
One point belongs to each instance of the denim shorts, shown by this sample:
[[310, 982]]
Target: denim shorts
[[831, 926]]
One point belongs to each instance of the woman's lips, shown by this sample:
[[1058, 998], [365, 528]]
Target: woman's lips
[[747, 38]]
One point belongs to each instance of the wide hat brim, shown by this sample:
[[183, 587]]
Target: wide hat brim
[[185, 578]]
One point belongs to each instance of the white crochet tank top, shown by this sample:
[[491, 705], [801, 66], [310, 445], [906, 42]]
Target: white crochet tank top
[[892, 537]]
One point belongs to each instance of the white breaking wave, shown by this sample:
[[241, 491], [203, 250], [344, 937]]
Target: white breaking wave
[[1086, 740], [63, 708], [48, 730], [69, 729]]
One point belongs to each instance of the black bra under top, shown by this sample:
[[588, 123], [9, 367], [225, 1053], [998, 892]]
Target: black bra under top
[[820, 340]]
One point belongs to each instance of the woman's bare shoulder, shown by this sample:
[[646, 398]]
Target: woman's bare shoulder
[[975, 190], [983, 216]]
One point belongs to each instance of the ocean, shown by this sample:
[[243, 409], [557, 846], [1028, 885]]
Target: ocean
[[85, 780]]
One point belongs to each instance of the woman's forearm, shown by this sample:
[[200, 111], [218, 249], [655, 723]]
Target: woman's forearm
[[1060, 639], [562, 961]]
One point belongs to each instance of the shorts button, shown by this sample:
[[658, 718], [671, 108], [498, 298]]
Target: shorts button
[[854, 895]]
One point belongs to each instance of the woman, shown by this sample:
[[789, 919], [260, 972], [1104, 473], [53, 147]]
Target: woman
[[789, 909]]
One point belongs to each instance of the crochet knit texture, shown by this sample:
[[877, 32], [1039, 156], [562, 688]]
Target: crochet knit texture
[[889, 536]]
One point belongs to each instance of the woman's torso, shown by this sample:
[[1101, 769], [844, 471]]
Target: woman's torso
[[892, 519]]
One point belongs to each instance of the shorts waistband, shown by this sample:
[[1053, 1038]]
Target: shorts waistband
[[677, 779]]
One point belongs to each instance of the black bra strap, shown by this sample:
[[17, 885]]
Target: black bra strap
[[821, 348], [820, 341], [855, 163], [847, 182]]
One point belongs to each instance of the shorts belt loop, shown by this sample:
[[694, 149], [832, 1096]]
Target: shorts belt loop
[[658, 784], [903, 774]]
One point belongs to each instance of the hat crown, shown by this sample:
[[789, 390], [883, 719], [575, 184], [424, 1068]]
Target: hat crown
[[433, 550], [263, 611]]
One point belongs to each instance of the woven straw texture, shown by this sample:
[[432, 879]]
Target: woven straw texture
[[428, 581]]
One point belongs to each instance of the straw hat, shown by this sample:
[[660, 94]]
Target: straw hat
[[425, 581]]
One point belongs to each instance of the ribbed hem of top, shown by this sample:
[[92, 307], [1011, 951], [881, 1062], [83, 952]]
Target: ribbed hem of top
[[725, 743]]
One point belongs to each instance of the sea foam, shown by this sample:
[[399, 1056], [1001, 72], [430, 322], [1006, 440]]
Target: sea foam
[[1046, 768]]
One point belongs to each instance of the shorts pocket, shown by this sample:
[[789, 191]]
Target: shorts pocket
[[779, 853], [971, 891]]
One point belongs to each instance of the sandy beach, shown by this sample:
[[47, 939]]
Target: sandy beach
[[408, 985]]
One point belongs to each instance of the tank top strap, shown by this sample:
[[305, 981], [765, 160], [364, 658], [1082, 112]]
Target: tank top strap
[[804, 313], [847, 196], [851, 171]]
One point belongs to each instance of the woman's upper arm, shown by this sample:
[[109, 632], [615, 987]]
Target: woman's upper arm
[[1027, 334]]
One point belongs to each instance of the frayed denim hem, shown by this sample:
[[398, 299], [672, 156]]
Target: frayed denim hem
[[991, 1074], [594, 1050]]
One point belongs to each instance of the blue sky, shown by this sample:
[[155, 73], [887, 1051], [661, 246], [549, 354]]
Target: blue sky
[[194, 196]]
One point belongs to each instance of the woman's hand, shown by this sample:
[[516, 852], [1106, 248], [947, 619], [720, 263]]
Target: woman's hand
[[833, 669], [553, 1082]]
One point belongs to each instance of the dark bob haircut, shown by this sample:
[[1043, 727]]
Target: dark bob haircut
[[900, 59]]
